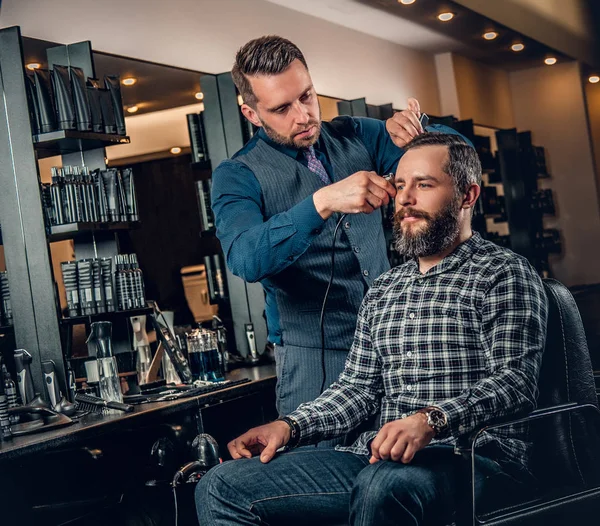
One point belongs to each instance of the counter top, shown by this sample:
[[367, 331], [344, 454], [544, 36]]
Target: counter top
[[94, 424]]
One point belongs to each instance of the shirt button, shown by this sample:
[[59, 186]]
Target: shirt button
[[411, 315], [420, 280], [347, 225], [365, 272], [409, 354], [290, 258], [409, 387], [357, 249], [403, 415]]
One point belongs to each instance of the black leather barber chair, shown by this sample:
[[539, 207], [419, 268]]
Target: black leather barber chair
[[565, 432]]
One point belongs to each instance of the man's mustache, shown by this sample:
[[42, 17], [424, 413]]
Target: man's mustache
[[411, 212]]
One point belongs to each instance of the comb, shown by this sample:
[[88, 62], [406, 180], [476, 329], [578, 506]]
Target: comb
[[96, 402]]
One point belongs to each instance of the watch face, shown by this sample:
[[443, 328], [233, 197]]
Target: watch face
[[437, 419]]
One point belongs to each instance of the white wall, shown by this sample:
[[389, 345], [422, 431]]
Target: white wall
[[549, 101], [204, 35]]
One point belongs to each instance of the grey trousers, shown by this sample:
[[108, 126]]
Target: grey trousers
[[299, 376]]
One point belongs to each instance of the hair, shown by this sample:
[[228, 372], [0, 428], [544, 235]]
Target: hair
[[268, 55], [463, 162]]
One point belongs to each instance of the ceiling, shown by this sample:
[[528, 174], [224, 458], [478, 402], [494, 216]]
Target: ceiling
[[416, 26]]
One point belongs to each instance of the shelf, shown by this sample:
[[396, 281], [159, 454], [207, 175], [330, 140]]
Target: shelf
[[71, 230], [7, 329], [61, 142], [106, 316], [201, 165]]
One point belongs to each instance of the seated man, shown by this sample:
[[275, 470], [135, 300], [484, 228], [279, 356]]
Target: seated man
[[444, 343]]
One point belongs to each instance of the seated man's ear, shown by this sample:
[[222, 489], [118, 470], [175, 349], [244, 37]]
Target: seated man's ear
[[471, 195]]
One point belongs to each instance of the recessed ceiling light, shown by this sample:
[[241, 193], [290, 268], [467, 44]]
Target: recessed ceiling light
[[518, 47], [199, 95], [407, 2], [33, 65], [445, 17], [594, 79], [132, 109], [129, 81], [175, 150], [550, 61], [490, 35]]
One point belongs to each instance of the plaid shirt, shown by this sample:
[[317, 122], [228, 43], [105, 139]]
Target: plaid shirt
[[466, 336]]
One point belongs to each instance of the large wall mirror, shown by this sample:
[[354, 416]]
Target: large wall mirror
[[169, 246]]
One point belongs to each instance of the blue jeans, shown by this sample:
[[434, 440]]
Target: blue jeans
[[324, 486]]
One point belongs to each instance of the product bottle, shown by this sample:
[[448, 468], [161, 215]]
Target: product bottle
[[10, 389], [100, 342], [141, 344]]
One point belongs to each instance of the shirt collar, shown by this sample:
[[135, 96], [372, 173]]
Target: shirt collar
[[460, 254]]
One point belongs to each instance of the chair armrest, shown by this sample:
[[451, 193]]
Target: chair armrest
[[465, 444]]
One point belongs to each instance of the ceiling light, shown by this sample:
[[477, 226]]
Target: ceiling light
[[445, 17], [550, 61], [132, 109], [594, 79], [129, 81], [518, 47], [199, 95], [407, 2], [490, 35], [175, 150], [33, 65]]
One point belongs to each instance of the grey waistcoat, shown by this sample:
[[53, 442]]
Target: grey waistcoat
[[360, 254]]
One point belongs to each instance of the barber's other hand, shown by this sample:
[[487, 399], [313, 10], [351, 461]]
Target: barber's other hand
[[263, 440], [360, 192], [404, 125], [401, 439]]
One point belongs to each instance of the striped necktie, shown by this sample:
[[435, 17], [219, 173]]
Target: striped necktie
[[316, 166]]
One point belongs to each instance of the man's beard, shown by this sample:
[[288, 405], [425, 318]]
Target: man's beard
[[439, 233], [291, 141]]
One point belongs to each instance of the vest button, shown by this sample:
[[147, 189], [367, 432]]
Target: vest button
[[290, 258], [347, 225], [365, 272], [316, 231], [357, 249]]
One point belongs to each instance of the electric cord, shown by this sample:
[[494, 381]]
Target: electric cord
[[175, 501], [322, 318]]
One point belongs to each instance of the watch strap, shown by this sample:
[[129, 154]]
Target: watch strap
[[294, 429]]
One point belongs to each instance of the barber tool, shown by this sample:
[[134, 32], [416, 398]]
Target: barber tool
[[100, 343], [206, 451], [49, 372], [24, 379], [95, 403], [251, 339], [221, 332], [142, 345]]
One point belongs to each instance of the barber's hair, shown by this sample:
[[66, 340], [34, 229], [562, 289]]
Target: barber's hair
[[268, 55], [463, 162]]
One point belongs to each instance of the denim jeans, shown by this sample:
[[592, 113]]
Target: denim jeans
[[317, 486]]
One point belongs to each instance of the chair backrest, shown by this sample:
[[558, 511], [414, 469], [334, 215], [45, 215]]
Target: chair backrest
[[566, 447]]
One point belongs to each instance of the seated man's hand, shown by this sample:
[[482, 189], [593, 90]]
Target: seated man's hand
[[401, 439], [263, 440]]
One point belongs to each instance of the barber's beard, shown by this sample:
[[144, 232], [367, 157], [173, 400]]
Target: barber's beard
[[439, 233], [292, 141]]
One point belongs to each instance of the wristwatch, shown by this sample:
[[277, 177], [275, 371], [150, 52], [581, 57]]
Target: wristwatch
[[294, 429], [436, 420]]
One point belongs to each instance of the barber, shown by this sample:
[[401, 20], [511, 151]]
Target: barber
[[277, 201]]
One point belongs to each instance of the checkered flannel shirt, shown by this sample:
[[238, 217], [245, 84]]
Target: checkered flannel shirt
[[466, 336]]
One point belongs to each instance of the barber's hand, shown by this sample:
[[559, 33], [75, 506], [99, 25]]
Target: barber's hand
[[401, 439], [404, 125], [360, 192], [263, 440]]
